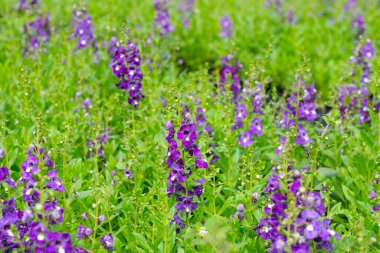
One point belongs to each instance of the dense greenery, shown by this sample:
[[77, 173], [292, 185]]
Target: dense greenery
[[40, 106]]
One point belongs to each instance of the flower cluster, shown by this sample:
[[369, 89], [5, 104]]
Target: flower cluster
[[126, 63], [26, 5], [294, 221], [107, 242], [29, 230], [180, 172], [85, 104], [226, 27], [359, 24], [300, 107], [373, 195], [256, 126], [5, 177], [37, 33], [352, 99], [186, 9], [229, 73], [361, 58], [162, 19], [239, 213], [111, 46], [351, 4], [278, 7], [84, 31], [101, 140]]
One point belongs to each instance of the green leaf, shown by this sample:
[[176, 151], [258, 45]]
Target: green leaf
[[328, 172]]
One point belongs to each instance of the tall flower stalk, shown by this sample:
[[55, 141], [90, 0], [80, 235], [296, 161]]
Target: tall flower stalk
[[126, 65], [162, 20], [84, 31], [37, 34], [181, 186]]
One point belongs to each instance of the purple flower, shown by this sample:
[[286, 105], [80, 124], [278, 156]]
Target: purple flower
[[101, 218], [255, 197], [226, 27], [359, 23], [107, 242], [200, 117], [367, 50], [372, 195], [55, 182], [229, 73], [5, 176], [256, 127], [83, 232], [186, 9], [162, 18], [273, 184], [281, 147], [201, 163], [128, 173], [26, 5], [245, 139], [267, 228], [198, 190], [309, 232], [286, 122], [307, 111], [241, 114], [2, 153], [257, 102], [186, 205], [176, 175], [314, 200], [84, 31], [80, 250], [29, 167], [300, 248], [53, 213], [84, 216], [126, 65], [349, 5], [37, 33], [179, 174], [31, 194], [302, 137], [187, 135]]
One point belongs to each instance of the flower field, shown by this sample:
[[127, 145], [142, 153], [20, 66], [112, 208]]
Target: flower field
[[189, 126]]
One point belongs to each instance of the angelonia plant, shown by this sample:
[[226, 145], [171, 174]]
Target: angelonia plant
[[300, 111], [26, 5], [32, 229], [256, 127], [226, 27], [294, 220], [162, 19], [37, 34], [84, 31], [186, 8], [182, 168], [353, 98], [126, 62]]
